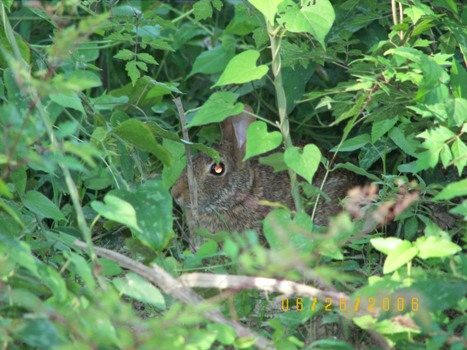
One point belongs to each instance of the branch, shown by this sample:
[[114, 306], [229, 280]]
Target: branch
[[192, 186], [175, 288]]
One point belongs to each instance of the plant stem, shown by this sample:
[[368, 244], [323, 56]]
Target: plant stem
[[275, 40], [192, 185]]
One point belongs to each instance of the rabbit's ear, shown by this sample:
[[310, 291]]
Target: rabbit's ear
[[234, 130]]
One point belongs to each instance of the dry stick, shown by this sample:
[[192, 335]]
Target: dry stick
[[192, 185], [159, 277]]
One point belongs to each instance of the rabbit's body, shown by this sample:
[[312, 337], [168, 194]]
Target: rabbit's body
[[229, 194]]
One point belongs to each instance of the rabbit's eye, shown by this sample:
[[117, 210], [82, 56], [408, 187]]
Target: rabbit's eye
[[217, 169]]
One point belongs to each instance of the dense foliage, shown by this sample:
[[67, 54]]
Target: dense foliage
[[91, 144]]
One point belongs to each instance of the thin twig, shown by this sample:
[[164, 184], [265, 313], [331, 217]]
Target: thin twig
[[192, 185], [175, 288]]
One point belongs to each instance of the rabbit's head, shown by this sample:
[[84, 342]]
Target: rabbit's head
[[220, 186]]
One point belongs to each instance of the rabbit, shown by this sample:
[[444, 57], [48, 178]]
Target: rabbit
[[229, 193]]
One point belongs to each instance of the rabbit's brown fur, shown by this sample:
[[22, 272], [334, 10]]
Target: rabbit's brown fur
[[231, 201]]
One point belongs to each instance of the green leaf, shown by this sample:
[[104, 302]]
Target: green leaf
[[82, 268], [437, 294], [399, 256], [141, 65], [267, 7], [385, 245], [402, 142], [381, 127], [42, 206], [202, 9], [459, 152], [213, 61], [435, 247], [125, 55], [11, 212], [145, 57], [304, 164], [461, 210], [314, 17], [4, 190], [274, 160], [153, 205], [458, 80], [133, 72], [108, 102], [118, 210], [355, 169], [38, 333], [225, 334], [454, 189], [259, 140], [138, 288], [353, 143], [460, 111], [242, 69], [218, 107], [79, 80], [140, 135], [69, 99]]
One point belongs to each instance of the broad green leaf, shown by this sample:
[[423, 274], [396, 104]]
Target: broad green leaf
[[460, 111], [294, 81], [274, 221], [171, 173], [274, 160], [385, 245], [218, 107], [435, 247], [19, 252], [202, 9], [303, 163], [153, 205], [454, 189], [225, 334], [85, 151], [458, 80], [399, 256], [402, 142], [213, 61], [353, 143], [438, 294], [68, 99], [82, 268], [140, 135], [242, 69], [267, 7], [118, 210], [381, 127], [259, 140], [38, 333], [79, 80], [138, 288], [461, 210], [373, 152], [460, 33], [42, 206], [314, 17]]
